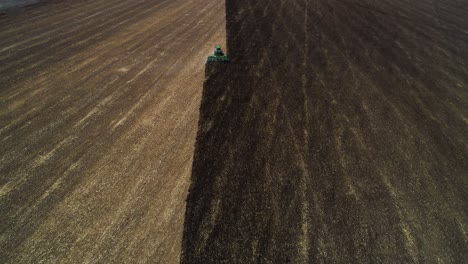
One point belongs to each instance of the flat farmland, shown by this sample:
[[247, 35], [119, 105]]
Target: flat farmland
[[99, 103], [338, 133]]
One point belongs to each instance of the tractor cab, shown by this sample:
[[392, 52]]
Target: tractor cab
[[218, 51]]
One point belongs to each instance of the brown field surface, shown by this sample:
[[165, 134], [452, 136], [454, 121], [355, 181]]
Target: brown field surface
[[338, 133], [99, 102]]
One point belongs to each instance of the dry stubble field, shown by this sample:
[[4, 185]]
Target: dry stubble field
[[99, 105]]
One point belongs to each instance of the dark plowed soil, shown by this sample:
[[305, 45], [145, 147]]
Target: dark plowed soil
[[337, 134]]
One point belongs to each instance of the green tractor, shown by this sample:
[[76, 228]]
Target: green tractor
[[218, 56]]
